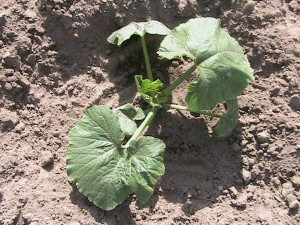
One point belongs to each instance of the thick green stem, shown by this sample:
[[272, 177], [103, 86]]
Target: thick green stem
[[179, 80], [179, 107], [147, 61], [143, 126]]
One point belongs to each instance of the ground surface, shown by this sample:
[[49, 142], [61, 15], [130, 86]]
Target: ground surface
[[55, 63]]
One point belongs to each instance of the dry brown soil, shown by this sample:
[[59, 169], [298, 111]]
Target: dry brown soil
[[55, 62]]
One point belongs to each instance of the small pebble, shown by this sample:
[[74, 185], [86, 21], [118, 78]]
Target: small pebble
[[47, 158], [233, 192], [294, 205], [246, 175], [11, 60], [295, 103], [241, 201], [275, 181], [249, 7], [265, 216], [296, 181], [263, 137]]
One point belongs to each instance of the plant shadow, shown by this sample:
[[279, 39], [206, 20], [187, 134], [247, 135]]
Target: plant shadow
[[198, 168], [120, 215]]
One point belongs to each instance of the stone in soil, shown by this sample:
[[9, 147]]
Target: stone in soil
[[2, 19], [294, 205], [241, 201], [296, 181], [233, 192], [246, 175], [265, 216], [46, 159], [295, 102], [263, 137], [11, 60]]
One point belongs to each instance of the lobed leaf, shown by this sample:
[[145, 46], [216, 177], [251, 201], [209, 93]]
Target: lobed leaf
[[223, 69], [228, 122], [141, 28], [221, 77], [150, 90], [104, 171]]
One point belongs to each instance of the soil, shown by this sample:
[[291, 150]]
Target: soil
[[55, 62]]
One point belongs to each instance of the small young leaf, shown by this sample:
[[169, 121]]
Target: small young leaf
[[104, 171], [141, 28], [147, 86], [228, 122], [223, 69], [150, 90]]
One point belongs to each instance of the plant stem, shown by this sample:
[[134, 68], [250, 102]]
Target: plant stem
[[180, 107], [147, 61], [143, 126], [179, 80]]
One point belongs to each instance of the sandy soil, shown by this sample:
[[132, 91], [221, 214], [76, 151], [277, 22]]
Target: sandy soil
[[55, 63]]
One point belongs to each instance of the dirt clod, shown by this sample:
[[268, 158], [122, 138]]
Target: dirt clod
[[263, 137], [46, 159], [246, 175]]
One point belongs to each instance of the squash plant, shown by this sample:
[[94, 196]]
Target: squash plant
[[108, 157]]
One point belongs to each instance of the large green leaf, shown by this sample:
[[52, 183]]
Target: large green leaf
[[222, 77], [228, 122], [104, 171], [141, 28], [223, 69]]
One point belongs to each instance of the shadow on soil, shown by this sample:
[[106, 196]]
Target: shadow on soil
[[197, 167]]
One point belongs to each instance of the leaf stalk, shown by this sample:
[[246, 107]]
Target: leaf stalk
[[147, 121], [185, 108], [147, 60], [179, 80]]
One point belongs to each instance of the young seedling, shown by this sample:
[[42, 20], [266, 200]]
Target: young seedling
[[109, 158]]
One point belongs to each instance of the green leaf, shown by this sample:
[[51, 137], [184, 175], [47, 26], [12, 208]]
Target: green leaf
[[132, 112], [150, 90], [222, 77], [228, 122], [127, 125], [194, 39], [141, 28], [223, 69], [127, 114], [104, 171]]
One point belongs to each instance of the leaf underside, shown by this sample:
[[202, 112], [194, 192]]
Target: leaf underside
[[141, 28], [104, 171], [228, 122], [223, 69]]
